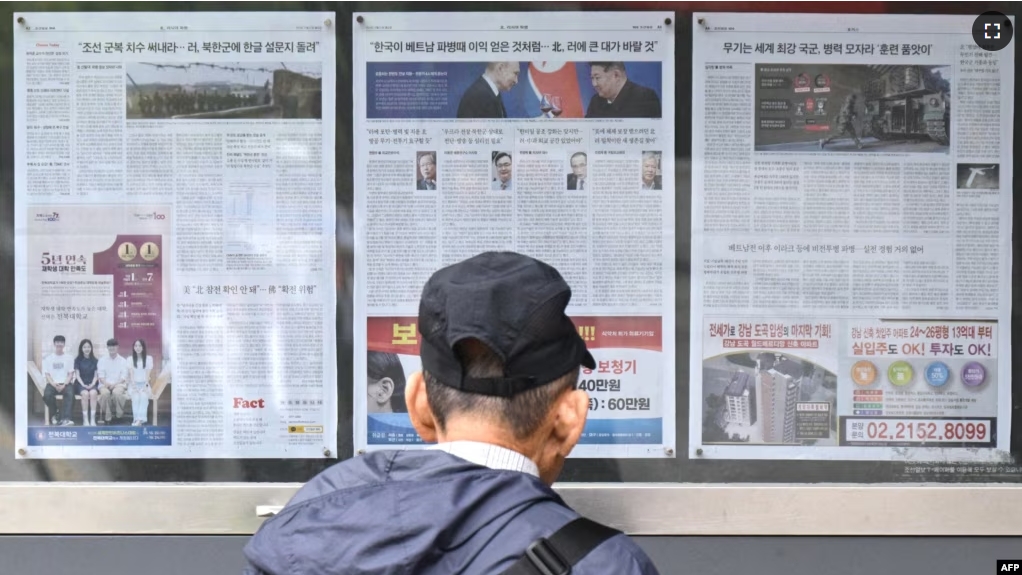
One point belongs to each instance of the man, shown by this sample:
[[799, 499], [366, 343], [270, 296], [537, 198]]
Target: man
[[650, 167], [577, 177], [427, 172], [845, 122], [502, 161], [482, 98], [59, 370], [113, 381], [617, 96], [504, 418]]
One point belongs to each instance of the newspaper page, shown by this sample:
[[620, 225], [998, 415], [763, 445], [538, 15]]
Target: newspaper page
[[550, 135], [174, 209], [851, 262]]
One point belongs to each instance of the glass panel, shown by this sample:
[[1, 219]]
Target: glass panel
[[680, 469]]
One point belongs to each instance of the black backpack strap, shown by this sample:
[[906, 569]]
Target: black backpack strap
[[557, 554]]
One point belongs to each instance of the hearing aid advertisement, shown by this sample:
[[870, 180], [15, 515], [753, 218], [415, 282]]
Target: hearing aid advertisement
[[625, 406], [851, 239]]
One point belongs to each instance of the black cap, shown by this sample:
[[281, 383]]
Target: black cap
[[514, 305]]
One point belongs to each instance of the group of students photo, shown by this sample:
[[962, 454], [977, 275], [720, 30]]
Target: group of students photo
[[103, 384]]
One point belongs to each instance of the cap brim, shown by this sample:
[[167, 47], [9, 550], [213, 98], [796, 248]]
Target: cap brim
[[588, 361]]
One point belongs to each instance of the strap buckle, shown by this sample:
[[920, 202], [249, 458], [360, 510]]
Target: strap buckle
[[546, 559]]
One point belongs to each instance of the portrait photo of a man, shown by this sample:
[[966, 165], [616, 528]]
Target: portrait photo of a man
[[617, 96], [426, 171], [482, 98], [579, 171], [502, 180], [652, 178]]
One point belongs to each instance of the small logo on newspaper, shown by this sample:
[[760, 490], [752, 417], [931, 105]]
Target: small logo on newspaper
[[305, 429], [151, 216], [1009, 565], [992, 31], [50, 217], [242, 403]]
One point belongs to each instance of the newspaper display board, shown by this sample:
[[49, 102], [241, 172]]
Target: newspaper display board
[[174, 235], [852, 217], [547, 134]]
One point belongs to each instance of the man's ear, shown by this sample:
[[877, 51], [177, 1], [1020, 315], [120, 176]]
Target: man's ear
[[572, 411], [418, 408]]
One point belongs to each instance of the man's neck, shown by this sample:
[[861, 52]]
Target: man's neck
[[618, 93], [492, 83]]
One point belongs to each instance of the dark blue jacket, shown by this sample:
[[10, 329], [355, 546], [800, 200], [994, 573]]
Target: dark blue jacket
[[421, 513]]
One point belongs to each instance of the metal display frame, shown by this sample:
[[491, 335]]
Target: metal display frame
[[637, 509], [782, 509]]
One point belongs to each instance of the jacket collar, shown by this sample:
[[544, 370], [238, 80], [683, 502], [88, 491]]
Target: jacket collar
[[489, 455]]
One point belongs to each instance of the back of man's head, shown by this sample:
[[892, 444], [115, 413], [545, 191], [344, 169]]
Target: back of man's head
[[500, 359], [521, 415]]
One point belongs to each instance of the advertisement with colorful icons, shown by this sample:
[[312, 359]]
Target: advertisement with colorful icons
[[510, 90], [625, 390], [919, 384], [96, 371], [853, 389]]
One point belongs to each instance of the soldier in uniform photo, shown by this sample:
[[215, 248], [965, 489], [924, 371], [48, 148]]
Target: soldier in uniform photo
[[845, 122]]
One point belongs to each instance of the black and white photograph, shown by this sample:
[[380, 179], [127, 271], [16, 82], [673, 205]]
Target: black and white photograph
[[979, 176], [828, 108], [425, 171], [223, 91]]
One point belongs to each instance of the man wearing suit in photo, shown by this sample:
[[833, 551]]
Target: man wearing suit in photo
[[427, 171], [482, 99], [617, 96], [577, 177], [650, 166], [502, 166]]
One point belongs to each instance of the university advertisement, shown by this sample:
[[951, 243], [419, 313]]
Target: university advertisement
[[98, 319]]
